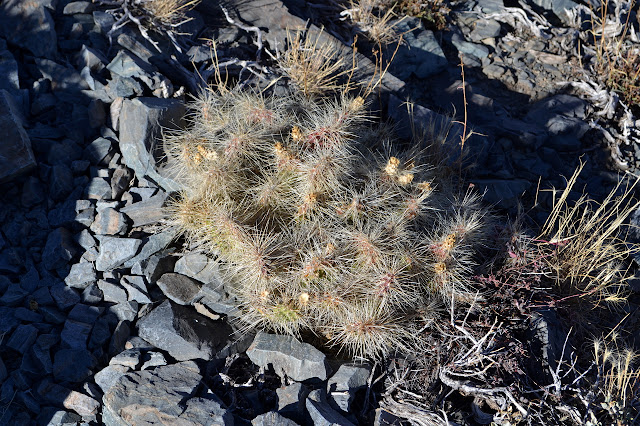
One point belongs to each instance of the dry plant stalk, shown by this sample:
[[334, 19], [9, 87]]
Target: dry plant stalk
[[169, 12], [585, 245]]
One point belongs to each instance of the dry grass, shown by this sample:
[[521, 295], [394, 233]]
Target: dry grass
[[371, 20], [584, 247], [312, 64], [617, 56], [169, 12]]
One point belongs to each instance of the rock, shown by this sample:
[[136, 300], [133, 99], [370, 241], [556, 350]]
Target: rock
[[32, 192], [120, 181], [73, 365], [78, 7], [108, 376], [422, 56], [98, 150], [146, 212], [28, 25], [69, 399], [60, 183], [559, 8], [112, 292], [109, 221], [119, 337], [476, 50], [3, 371], [14, 296], [129, 358], [85, 313], [62, 78], [98, 189], [179, 288], [502, 193], [16, 156], [182, 332], [75, 334], [141, 120], [199, 267], [151, 397], [153, 359], [136, 288], [81, 275], [65, 297], [206, 411], [272, 419], [125, 311], [22, 338], [151, 245], [343, 385], [59, 249], [115, 251], [51, 416], [9, 69], [321, 412], [484, 29], [299, 361], [291, 401]]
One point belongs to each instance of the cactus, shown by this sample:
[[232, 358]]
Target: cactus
[[321, 224]]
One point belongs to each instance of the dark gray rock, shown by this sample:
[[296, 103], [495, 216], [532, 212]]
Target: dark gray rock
[[98, 150], [476, 50], [153, 359], [140, 123], [100, 334], [299, 361], [151, 245], [146, 212], [108, 376], [291, 401], [112, 292], [81, 275], [115, 251], [321, 412], [272, 419], [67, 398], [3, 371], [85, 239], [59, 249], [129, 358], [207, 411], [422, 56], [78, 7], [75, 334], [65, 297], [9, 69], [22, 338], [60, 182], [558, 7], [73, 365], [52, 315], [199, 267], [343, 385], [51, 416], [14, 296], [119, 337], [483, 29], [91, 58], [98, 189], [126, 311], [85, 313], [62, 78], [179, 288], [182, 332], [150, 397], [32, 192], [502, 193], [31, 280], [16, 156], [27, 315], [109, 221], [120, 181], [29, 25], [136, 288], [92, 294]]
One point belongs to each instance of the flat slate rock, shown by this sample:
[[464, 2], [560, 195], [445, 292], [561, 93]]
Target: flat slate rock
[[141, 121], [299, 361], [115, 251], [182, 332], [29, 25], [160, 396]]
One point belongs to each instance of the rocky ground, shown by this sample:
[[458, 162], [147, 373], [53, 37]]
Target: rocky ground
[[106, 318]]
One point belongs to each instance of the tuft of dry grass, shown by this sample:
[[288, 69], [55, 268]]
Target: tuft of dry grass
[[169, 12], [584, 247], [617, 56], [312, 64]]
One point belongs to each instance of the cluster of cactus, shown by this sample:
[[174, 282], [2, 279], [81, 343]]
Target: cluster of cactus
[[321, 224]]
